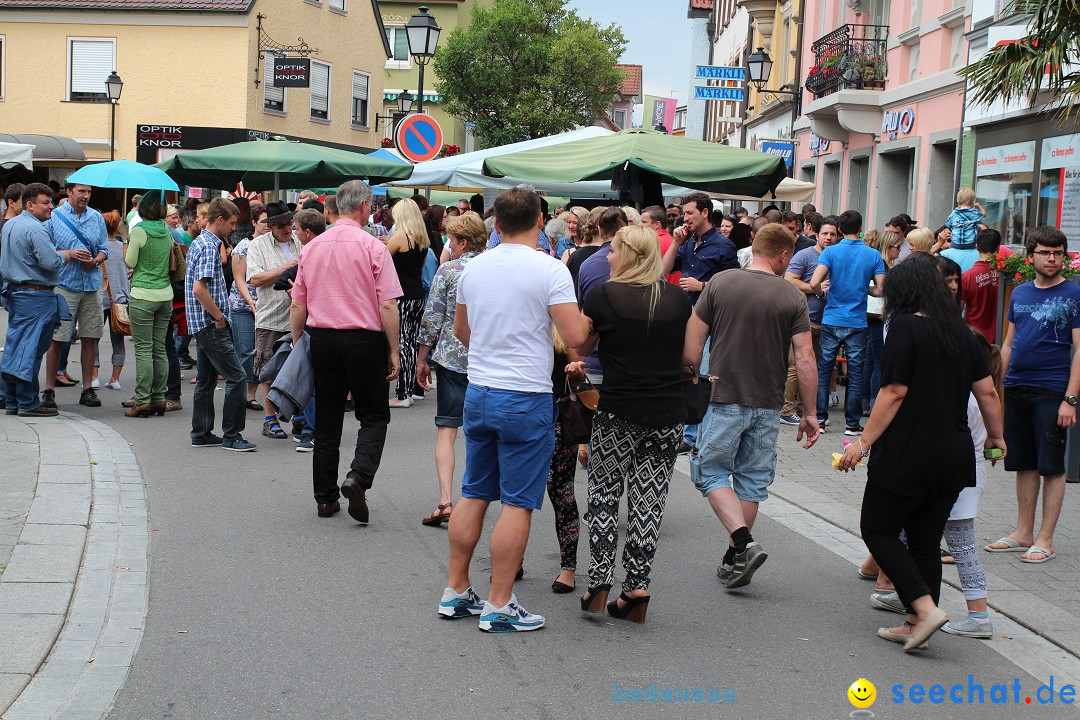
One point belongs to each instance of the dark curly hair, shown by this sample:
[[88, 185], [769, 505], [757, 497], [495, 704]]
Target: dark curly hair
[[916, 285]]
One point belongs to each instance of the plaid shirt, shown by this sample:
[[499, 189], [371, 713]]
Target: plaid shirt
[[204, 263], [376, 230], [963, 222]]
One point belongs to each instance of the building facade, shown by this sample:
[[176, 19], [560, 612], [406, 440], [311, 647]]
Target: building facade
[[620, 114], [882, 106], [1024, 164], [196, 73], [401, 73]]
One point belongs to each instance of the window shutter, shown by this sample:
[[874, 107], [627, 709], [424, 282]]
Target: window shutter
[[360, 98], [320, 91], [91, 63], [273, 97], [401, 44], [337, 5]]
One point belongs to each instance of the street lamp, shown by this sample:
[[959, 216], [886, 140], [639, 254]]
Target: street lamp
[[113, 87], [423, 34], [404, 107], [759, 67]]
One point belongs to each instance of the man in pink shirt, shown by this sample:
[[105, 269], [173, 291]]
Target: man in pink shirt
[[345, 296], [655, 218]]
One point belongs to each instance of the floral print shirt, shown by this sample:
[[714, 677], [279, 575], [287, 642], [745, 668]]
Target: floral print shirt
[[437, 326]]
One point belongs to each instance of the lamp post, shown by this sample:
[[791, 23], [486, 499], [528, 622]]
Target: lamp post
[[423, 34], [113, 87], [405, 103], [758, 68]]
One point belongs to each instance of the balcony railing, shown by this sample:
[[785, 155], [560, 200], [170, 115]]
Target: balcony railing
[[850, 57]]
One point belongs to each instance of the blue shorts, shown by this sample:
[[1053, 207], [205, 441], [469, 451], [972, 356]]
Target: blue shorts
[[509, 439], [450, 397], [736, 449]]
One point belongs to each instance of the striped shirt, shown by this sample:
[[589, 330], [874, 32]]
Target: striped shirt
[[271, 306]]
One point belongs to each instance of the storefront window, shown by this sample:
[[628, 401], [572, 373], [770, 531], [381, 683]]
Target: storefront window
[[1059, 179], [1004, 180]]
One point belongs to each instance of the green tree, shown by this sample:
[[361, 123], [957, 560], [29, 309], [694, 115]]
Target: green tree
[[1043, 61], [528, 68]]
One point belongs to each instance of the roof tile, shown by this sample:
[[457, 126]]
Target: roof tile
[[156, 5], [631, 85]]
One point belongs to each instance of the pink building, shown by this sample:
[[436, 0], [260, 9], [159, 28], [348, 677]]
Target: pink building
[[882, 106]]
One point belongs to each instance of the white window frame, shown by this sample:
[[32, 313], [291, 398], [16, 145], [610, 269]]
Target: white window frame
[[615, 112], [268, 82], [352, 101], [393, 64], [71, 40], [340, 6], [329, 92]]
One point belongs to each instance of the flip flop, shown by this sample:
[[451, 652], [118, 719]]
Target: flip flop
[[1013, 546], [438, 517], [1048, 555], [866, 576]]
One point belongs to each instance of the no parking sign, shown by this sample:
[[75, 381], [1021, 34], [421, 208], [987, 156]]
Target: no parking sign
[[419, 138]]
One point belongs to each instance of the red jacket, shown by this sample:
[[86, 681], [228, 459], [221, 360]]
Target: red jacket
[[665, 243]]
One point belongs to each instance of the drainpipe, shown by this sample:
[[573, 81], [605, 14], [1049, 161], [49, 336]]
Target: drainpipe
[[796, 100]]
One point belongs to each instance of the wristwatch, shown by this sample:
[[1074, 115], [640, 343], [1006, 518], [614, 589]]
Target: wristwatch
[[1071, 399]]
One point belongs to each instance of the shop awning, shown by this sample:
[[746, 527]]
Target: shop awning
[[49, 148], [14, 154]]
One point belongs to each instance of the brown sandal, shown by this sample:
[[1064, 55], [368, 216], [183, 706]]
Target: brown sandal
[[438, 517]]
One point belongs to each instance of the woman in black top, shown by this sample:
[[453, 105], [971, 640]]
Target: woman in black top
[[409, 248], [640, 322], [922, 446]]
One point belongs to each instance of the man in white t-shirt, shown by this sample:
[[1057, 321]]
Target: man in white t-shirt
[[507, 299]]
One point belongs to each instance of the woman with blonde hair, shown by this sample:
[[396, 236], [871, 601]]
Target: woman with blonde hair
[[640, 322], [921, 239], [888, 243], [590, 242], [409, 248], [467, 237]]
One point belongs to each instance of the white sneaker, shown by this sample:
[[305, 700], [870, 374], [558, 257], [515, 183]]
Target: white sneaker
[[95, 383], [114, 385], [834, 399], [509, 618], [455, 605]]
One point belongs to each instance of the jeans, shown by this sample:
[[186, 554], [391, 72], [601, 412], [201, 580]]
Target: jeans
[[119, 350], [737, 450], [853, 340], [875, 348], [27, 308], [149, 329], [218, 357], [347, 361], [183, 343], [243, 337], [65, 350], [172, 382]]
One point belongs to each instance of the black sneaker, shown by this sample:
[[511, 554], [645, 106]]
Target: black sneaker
[[746, 563], [792, 419], [685, 448], [40, 411], [854, 431], [307, 444], [89, 398], [298, 430], [210, 440], [186, 362], [48, 398]]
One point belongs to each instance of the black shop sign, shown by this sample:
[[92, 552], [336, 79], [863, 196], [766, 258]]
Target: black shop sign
[[292, 72]]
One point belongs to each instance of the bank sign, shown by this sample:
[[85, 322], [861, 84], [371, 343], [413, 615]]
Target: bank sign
[[292, 72]]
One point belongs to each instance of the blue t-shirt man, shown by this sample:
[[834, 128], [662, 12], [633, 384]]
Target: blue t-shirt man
[[1044, 319], [803, 264], [851, 266]]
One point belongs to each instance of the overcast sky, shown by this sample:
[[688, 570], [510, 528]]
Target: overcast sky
[[658, 38]]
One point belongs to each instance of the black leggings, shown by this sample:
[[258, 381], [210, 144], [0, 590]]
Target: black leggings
[[916, 569]]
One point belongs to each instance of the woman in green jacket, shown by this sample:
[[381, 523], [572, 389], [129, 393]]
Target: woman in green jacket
[[150, 304]]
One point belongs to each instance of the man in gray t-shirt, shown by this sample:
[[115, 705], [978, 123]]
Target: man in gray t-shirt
[[760, 316]]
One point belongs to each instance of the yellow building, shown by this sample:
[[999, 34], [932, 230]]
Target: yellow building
[[196, 73], [776, 27]]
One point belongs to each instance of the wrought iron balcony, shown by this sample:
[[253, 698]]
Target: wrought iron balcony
[[850, 57]]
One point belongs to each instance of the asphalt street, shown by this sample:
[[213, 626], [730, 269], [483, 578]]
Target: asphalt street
[[260, 609]]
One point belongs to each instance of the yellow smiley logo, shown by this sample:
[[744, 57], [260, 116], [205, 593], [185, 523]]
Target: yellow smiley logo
[[862, 693]]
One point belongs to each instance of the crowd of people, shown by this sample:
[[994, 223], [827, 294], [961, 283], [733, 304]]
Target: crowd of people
[[561, 336]]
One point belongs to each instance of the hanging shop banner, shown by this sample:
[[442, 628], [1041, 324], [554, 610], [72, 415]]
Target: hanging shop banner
[[783, 148], [292, 72], [1062, 154]]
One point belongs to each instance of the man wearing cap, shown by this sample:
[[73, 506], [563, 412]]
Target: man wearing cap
[[268, 256]]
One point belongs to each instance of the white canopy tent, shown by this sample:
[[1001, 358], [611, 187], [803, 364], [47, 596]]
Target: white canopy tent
[[12, 154], [789, 190]]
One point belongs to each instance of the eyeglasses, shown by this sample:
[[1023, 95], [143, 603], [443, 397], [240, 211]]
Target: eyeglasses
[[894, 247], [1049, 253]]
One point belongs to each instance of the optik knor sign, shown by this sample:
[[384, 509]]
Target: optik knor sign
[[292, 72]]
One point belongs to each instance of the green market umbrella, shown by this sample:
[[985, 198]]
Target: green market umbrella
[[637, 161], [277, 163]]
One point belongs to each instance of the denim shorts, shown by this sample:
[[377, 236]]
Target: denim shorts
[[450, 397], [509, 438], [736, 449], [1032, 434]]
